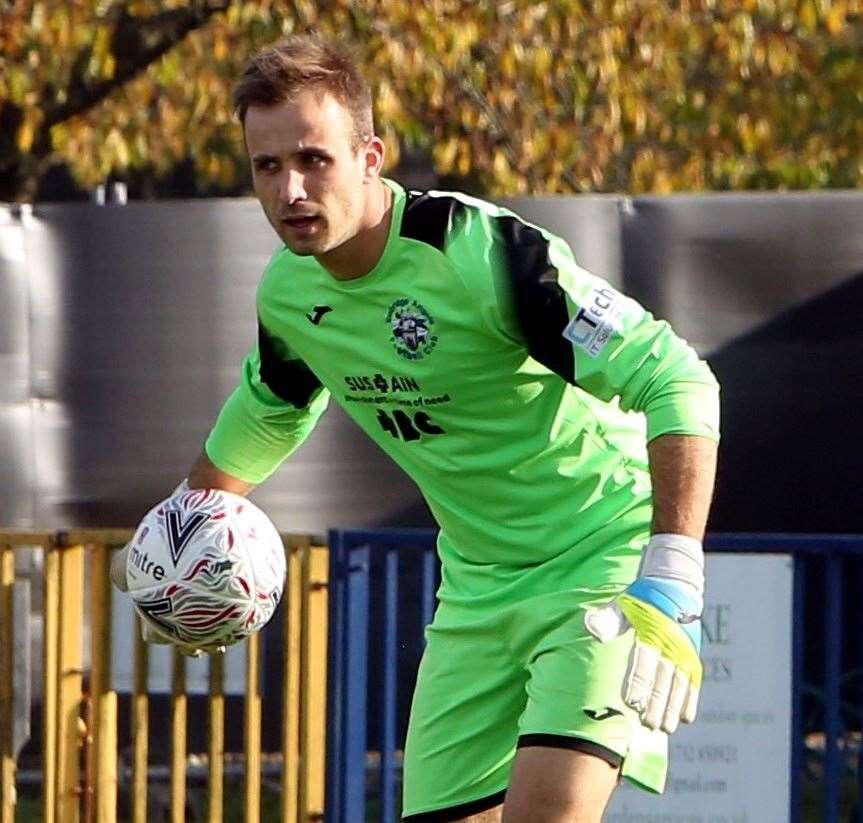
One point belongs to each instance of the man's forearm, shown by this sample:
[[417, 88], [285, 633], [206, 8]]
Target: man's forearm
[[682, 469], [205, 475]]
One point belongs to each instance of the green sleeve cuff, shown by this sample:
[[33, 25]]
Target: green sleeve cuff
[[685, 407], [250, 441]]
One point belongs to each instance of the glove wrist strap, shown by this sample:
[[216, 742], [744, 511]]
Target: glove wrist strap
[[675, 557]]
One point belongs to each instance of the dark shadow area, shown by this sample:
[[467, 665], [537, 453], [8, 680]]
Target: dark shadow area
[[791, 457], [791, 453]]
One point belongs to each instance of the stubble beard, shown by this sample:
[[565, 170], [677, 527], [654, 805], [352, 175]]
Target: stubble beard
[[330, 235], [318, 244], [336, 234]]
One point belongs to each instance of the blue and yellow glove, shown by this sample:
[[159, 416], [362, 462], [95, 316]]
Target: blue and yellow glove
[[663, 608]]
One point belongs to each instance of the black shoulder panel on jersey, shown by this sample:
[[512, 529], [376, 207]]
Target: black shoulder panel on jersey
[[291, 380], [539, 301], [429, 218]]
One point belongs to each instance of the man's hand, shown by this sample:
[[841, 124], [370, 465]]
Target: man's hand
[[663, 608], [118, 568], [120, 558], [149, 632]]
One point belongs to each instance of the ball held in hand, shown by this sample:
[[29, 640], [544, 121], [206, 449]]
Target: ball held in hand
[[205, 568]]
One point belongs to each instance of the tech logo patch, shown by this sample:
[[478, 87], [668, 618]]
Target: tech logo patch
[[411, 329], [600, 317]]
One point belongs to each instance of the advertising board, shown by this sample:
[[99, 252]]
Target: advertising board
[[733, 764]]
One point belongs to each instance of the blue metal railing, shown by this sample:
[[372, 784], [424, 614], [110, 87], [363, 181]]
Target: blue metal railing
[[369, 620], [352, 554]]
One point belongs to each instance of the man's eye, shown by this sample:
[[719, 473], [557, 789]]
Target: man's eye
[[315, 160], [266, 166]]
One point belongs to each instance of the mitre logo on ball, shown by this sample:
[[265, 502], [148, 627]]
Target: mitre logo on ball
[[145, 565]]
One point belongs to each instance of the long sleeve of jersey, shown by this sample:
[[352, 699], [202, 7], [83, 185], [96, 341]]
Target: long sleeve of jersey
[[580, 327], [620, 350], [271, 412]]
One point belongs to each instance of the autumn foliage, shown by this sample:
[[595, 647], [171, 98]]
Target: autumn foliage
[[525, 96]]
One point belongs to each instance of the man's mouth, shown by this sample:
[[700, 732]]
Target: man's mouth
[[300, 221]]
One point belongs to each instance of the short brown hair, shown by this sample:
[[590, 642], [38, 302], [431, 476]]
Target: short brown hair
[[278, 72]]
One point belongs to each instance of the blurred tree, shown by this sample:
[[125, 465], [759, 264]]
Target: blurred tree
[[60, 61], [519, 95]]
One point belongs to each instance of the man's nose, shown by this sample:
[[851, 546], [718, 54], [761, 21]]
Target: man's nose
[[293, 187]]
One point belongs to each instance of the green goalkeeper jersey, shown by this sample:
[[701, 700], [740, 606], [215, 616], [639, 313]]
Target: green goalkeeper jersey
[[515, 388]]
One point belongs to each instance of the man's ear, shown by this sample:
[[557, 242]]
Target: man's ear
[[373, 154]]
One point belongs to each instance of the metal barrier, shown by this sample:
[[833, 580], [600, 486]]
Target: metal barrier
[[79, 750], [808, 550], [364, 571], [381, 590], [351, 555]]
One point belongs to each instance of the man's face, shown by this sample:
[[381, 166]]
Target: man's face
[[307, 175]]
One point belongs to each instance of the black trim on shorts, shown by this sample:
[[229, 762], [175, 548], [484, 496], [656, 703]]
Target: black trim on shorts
[[457, 812], [562, 741]]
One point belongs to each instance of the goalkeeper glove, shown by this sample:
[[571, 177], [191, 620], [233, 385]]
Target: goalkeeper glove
[[151, 634], [663, 608]]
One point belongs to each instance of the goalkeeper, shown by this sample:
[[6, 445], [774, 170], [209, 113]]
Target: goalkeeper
[[564, 439]]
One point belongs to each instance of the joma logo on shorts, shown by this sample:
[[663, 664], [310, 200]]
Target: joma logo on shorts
[[593, 714]]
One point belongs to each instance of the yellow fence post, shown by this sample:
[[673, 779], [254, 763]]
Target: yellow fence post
[[69, 682], [291, 653], [140, 727], [216, 742], [102, 753], [313, 687], [252, 725], [178, 738], [106, 762], [7, 753], [50, 671]]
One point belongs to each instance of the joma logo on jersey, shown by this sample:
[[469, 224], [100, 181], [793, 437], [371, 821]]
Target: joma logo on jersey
[[412, 329], [597, 320], [382, 383]]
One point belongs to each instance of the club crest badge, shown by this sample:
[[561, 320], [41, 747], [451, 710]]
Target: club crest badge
[[412, 329]]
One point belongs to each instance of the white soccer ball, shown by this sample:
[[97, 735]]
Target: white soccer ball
[[205, 568]]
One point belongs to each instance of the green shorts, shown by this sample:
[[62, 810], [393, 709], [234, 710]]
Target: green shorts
[[527, 674]]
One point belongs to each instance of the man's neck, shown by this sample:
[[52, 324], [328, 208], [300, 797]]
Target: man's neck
[[358, 256]]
